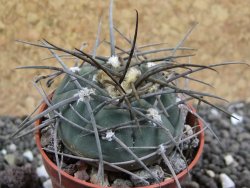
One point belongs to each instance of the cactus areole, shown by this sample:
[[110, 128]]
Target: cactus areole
[[139, 123]]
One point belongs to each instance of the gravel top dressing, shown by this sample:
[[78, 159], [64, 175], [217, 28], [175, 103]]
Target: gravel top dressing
[[225, 162]]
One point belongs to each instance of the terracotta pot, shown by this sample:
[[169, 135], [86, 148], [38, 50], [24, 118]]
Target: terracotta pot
[[69, 181]]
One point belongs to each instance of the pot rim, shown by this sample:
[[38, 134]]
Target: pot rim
[[164, 183]]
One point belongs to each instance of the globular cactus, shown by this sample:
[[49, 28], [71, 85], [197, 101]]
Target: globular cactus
[[138, 123]]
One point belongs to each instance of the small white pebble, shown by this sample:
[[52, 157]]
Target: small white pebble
[[3, 151], [214, 112], [210, 173], [226, 181], [188, 130], [47, 184], [228, 159], [238, 120], [41, 172], [28, 155], [12, 147]]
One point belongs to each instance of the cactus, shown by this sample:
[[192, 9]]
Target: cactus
[[138, 131], [122, 112]]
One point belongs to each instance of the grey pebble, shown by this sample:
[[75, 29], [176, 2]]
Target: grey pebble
[[120, 183], [70, 169], [19, 160], [10, 159], [156, 170], [245, 136], [190, 184], [207, 182], [2, 124]]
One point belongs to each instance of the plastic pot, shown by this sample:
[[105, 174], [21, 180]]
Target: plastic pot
[[69, 181]]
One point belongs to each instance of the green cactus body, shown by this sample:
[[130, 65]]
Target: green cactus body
[[147, 134]]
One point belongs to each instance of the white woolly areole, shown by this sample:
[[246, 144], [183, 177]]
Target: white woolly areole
[[109, 135], [74, 69], [161, 149], [112, 91], [153, 113], [153, 88], [132, 75], [114, 61], [150, 64], [84, 92]]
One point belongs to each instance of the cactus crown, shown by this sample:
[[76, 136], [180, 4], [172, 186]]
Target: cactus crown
[[121, 112]]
